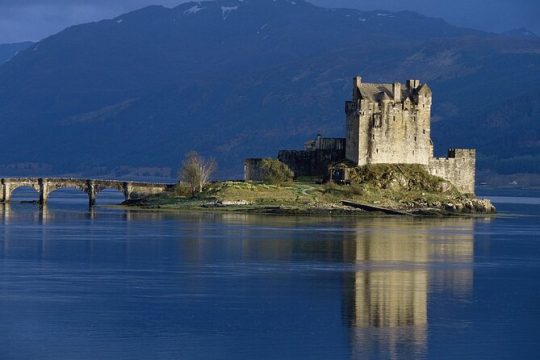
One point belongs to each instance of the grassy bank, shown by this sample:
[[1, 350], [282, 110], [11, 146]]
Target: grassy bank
[[406, 188]]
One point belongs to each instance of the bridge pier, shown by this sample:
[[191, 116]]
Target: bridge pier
[[127, 191], [6, 191], [43, 191], [92, 193]]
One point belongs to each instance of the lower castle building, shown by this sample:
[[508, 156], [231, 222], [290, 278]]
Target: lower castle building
[[385, 124]]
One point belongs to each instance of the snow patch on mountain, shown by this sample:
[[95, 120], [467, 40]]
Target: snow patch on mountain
[[262, 29], [193, 10], [226, 11], [521, 32]]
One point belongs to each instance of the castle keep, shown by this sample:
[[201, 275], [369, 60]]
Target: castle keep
[[389, 123], [385, 124]]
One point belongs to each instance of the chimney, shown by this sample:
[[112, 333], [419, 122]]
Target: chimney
[[357, 81], [396, 89], [413, 84]]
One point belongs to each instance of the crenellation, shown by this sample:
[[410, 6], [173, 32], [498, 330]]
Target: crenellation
[[458, 168]]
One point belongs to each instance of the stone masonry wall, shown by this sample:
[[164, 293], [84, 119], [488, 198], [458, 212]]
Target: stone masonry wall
[[459, 168], [311, 163], [252, 170]]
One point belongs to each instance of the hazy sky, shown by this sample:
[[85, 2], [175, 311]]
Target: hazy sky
[[22, 20]]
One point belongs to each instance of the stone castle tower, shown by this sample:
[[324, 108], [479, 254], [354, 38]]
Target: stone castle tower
[[389, 123], [385, 124]]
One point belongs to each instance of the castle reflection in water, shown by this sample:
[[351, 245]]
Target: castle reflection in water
[[397, 268], [390, 266]]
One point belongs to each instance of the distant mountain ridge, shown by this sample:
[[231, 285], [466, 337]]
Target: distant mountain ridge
[[8, 51], [233, 79], [521, 32]]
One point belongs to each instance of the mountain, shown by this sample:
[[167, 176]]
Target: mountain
[[7, 51], [520, 33], [233, 79]]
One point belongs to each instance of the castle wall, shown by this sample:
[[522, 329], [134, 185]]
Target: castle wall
[[352, 131], [459, 168], [327, 144], [311, 163], [314, 161], [252, 170]]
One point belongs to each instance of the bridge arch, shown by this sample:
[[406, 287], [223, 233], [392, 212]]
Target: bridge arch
[[117, 190], [52, 185], [59, 191], [120, 186], [18, 191], [9, 186]]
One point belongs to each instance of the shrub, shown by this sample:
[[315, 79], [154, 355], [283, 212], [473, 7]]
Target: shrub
[[182, 189], [275, 172], [399, 177]]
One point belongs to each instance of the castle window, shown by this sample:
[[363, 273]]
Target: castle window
[[377, 120], [424, 131], [394, 118], [415, 138], [377, 150], [373, 136]]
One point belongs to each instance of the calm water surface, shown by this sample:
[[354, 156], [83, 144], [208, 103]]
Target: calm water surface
[[112, 284]]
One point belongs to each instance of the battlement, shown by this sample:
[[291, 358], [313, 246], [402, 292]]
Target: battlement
[[461, 153], [459, 168], [321, 143]]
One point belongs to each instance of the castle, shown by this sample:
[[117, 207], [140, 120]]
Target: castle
[[385, 124]]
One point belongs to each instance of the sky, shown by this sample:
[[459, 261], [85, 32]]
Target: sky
[[23, 20]]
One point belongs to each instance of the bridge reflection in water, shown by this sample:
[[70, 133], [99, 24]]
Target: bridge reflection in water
[[45, 186]]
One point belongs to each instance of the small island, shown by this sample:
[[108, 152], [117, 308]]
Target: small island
[[384, 164], [404, 190]]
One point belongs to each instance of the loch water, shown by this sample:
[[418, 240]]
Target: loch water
[[107, 283]]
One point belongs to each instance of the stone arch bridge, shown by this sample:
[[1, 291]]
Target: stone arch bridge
[[45, 186]]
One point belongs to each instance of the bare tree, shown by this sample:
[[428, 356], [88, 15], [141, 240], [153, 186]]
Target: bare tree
[[196, 171]]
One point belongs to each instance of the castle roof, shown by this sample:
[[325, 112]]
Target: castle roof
[[425, 90], [379, 92], [375, 92]]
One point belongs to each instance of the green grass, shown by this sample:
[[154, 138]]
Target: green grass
[[393, 186]]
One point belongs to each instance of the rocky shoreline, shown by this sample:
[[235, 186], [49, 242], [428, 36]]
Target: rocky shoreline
[[377, 191], [467, 207]]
